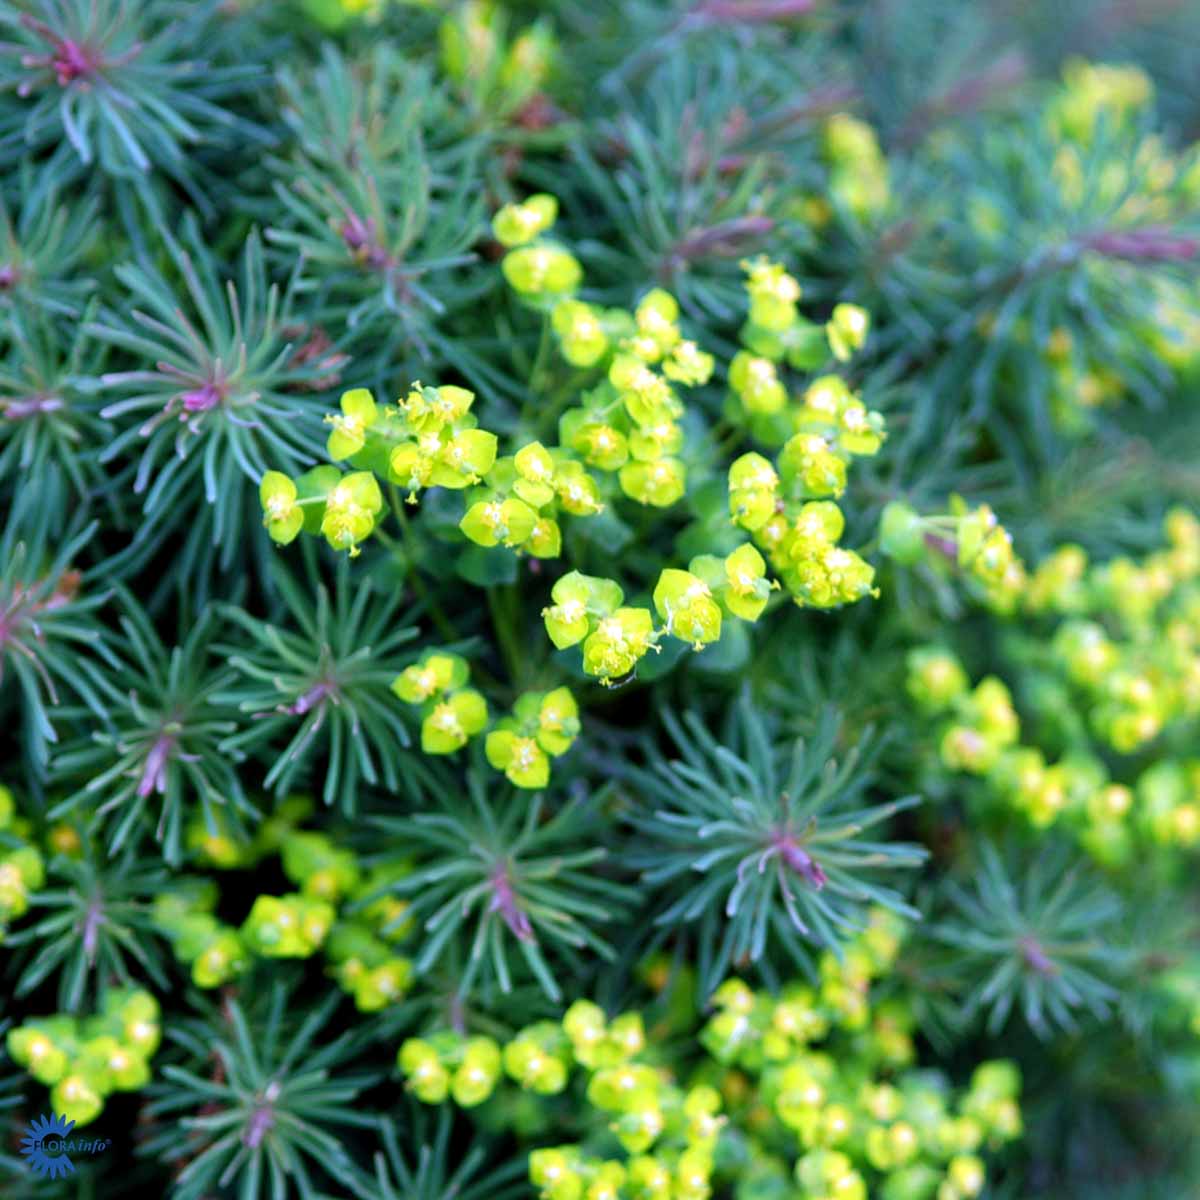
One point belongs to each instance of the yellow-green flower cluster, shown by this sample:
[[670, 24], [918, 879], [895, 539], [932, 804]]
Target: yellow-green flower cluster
[[629, 424], [776, 334], [591, 610], [686, 605], [543, 725], [539, 1057], [452, 713], [85, 1060], [432, 439], [22, 869], [291, 926], [816, 1068], [449, 1064], [981, 736], [217, 845], [1092, 93], [339, 909], [751, 1030], [985, 553], [977, 724], [321, 869], [1168, 802], [1129, 690], [641, 375], [692, 602], [500, 74], [628, 427], [858, 172], [428, 439], [1130, 646], [523, 498], [789, 505], [361, 953], [537, 268], [681, 1167], [340, 508], [216, 951], [624, 437], [668, 1132], [865, 1125], [799, 537], [969, 540]]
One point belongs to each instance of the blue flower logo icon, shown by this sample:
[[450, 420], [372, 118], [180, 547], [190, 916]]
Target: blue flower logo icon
[[42, 1147]]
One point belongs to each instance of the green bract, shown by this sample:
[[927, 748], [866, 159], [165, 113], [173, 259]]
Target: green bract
[[543, 725], [452, 721], [516, 224]]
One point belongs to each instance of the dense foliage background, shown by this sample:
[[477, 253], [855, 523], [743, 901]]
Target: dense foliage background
[[295, 773]]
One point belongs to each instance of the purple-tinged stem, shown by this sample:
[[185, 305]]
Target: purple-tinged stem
[[310, 699], [1035, 957], [1154, 243], [362, 240], [92, 921], [262, 1119], [797, 859], [504, 902], [154, 773], [723, 239], [31, 406], [749, 12], [207, 396], [943, 545]]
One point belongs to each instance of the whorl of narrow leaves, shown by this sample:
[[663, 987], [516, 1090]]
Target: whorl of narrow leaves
[[258, 1094], [218, 397], [687, 197], [50, 429], [379, 219], [44, 242], [1042, 270], [755, 838], [103, 83], [1040, 945], [419, 1163], [51, 645], [324, 681], [90, 926], [507, 887], [163, 756]]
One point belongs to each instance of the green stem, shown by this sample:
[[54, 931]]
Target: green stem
[[538, 370], [506, 635], [727, 436], [412, 553]]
